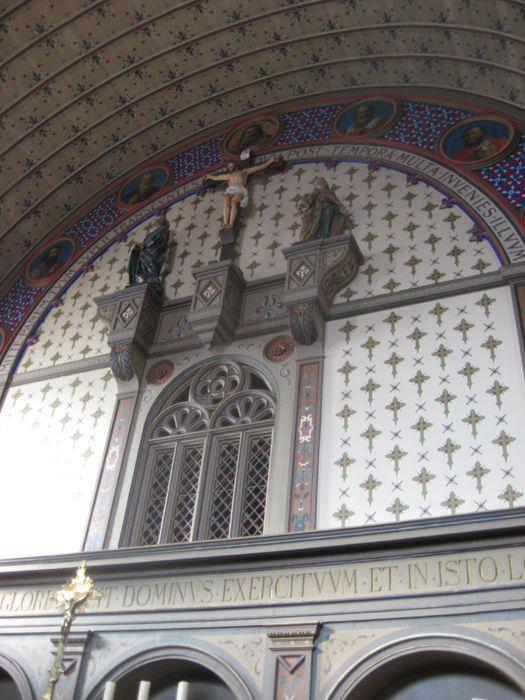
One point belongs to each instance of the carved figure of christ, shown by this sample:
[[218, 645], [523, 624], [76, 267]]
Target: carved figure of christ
[[236, 194]]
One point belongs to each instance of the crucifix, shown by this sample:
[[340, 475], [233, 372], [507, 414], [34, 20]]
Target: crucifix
[[236, 197], [71, 599]]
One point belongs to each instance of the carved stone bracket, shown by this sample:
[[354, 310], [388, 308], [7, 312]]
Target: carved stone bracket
[[216, 303], [132, 315], [316, 270], [292, 647]]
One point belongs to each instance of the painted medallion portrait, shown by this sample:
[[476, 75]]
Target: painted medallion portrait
[[252, 136], [367, 118], [478, 141], [143, 186], [50, 262]]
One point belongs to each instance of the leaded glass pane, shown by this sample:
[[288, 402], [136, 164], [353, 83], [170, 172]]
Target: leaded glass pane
[[182, 519], [223, 488], [156, 500], [254, 500]]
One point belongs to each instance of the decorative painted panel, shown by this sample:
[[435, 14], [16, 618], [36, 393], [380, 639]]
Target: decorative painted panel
[[304, 475], [422, 412]]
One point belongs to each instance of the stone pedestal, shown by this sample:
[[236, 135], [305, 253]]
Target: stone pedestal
[[216, 303], [315, 271]]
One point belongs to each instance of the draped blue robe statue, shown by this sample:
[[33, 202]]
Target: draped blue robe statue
[[147, 260], [323, 215]]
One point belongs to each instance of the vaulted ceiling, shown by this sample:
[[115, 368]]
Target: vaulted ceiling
[[92, 89]]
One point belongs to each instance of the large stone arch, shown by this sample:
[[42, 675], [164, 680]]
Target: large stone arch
[[175, 652], [388, 662]]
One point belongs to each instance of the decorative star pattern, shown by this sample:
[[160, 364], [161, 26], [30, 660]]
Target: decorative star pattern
[[443, 435]]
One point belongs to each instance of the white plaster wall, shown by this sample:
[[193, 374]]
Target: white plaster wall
[[358, 482], [53, 437]]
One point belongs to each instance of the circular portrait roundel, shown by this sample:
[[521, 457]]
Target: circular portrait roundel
[[143, 186], [49, 262], [367, 117], [160, 372], [478, 141], [252, 136]]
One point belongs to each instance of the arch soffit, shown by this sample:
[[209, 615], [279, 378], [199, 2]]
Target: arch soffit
[[177, 653], [386, 662], [15, 670]]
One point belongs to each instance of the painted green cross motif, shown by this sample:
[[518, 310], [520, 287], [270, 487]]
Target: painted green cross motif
[[397, 508], [456, 253], [419, 379], [343, 514], [345, 413], [412, 263], [416, 336], [468, 371], [431, 241], [344, 462], [392, 319], [510, 495], [391, 251], [370, 345], [395, 406], [391, 285], [429, 208], [346, 370], [497, 390], [423, 478], [480, 266], [411, 227], [438, 312], [347, 329], [491, 344], [370, 387], [369, 485], [445, 398], [464, 326], [452, 503], [370, 433], [504, 440], [478, 472], [394, 360], [421, 426], [442, 353], [370, 272], [436, 276], [389, 217], [473, 419], [449, 448], [486, 303], [369, 239], [396, 455]]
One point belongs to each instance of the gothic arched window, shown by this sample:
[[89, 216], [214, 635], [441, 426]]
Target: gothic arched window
[[208, 456]]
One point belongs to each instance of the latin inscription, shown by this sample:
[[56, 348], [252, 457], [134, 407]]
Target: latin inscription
[[414, 576]]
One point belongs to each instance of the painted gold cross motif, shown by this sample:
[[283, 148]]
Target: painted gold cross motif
[[71, 599]]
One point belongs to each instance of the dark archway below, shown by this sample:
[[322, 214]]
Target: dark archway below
[[452, 682], [164, 676], [8, 688]]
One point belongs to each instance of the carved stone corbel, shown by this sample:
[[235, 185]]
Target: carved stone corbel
[[216, 303], [315, 271], [132, 315]]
